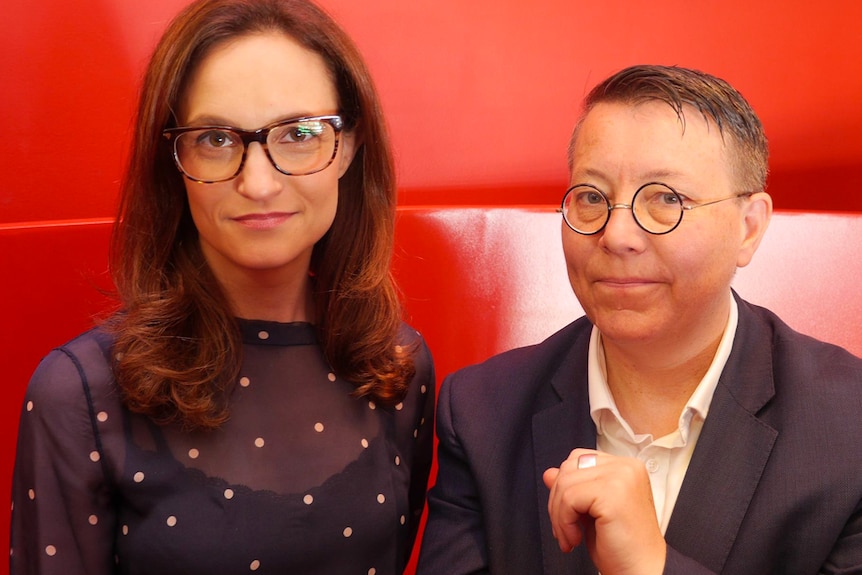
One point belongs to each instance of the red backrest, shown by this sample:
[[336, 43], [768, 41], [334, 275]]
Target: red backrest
[[481, 280], [475, 280]]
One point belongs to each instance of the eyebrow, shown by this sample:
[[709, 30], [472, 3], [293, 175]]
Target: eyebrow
[[657, 175], [212, 120]]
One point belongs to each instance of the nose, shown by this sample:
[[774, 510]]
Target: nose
[[258, 179], [622, 233]]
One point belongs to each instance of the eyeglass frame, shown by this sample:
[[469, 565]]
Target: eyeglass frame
[[249, 136], [611, 207]]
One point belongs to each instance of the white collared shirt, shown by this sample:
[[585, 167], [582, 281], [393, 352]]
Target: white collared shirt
[[665, 458]]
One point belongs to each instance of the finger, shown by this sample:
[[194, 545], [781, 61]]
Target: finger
[[564, 520], [587, 460], [550, 476]]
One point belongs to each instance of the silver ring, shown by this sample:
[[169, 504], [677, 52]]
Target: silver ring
[[587, 460]]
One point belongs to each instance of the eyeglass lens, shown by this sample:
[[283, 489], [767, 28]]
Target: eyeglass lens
[[656, 208], [295, 148]]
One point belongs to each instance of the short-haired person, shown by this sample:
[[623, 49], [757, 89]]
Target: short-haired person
[[256, 405], [676, 428]]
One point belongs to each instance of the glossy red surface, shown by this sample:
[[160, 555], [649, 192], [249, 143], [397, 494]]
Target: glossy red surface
[[479, 94]]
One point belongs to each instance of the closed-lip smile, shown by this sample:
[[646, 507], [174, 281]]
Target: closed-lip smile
[[263, 221], [624, 282]]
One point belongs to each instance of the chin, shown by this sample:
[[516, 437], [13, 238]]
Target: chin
[[626, 325]]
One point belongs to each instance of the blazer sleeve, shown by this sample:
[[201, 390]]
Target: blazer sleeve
[[454, 539]]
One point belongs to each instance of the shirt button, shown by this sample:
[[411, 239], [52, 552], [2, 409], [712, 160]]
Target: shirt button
[[652, 465]]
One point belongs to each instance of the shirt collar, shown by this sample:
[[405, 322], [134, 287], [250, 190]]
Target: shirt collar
[[602, 401]]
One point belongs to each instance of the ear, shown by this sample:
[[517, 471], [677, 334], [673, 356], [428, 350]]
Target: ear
[[756, 213], [347, 150]]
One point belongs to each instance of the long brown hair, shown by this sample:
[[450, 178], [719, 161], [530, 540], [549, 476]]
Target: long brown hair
[[177, 350]]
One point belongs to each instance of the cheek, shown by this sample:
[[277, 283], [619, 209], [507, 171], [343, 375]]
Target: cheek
[[576, 250], [202, 204], [321, 195], [702, 264]]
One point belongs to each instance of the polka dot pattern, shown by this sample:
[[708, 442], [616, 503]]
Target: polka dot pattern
[[323, 415]]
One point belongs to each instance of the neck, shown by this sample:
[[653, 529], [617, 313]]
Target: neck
[[284, 303], [651, 386], [271, 296]]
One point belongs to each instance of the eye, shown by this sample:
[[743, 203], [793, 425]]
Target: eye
[[215, 139], [658, 196], [668, 199], [301, 133], [588, 197], [592, 198]]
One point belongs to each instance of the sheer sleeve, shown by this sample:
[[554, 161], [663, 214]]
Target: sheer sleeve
[[418, 429], [62, 518]]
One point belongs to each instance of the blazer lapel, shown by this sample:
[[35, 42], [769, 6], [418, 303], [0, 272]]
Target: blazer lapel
[[731, 452], [562, 422]]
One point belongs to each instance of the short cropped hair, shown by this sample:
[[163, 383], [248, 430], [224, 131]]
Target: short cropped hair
[[718, 102]]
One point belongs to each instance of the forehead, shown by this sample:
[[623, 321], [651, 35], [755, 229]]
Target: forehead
[[258, 78], [647, 138]]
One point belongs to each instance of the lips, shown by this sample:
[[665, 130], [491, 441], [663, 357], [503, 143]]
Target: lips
[[624, 282], [266, 221]]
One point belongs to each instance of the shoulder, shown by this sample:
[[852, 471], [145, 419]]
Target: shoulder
[[808, 379], [524, 367], [511, 386], [802, 353], [411, 339], [72, 370]]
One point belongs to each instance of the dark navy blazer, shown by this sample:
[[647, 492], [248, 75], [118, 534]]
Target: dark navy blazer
[[774, 484]]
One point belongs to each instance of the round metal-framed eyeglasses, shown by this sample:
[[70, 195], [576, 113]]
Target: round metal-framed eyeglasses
[[656, 207], [296, 147]]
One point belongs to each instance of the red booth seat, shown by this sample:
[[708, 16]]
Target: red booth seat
[[481, 280], [475, 280]]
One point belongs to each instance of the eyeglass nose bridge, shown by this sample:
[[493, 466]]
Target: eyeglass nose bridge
[[612, 207], [247, 138]]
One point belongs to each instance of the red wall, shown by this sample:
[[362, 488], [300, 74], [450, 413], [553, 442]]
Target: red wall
[[478, 93]]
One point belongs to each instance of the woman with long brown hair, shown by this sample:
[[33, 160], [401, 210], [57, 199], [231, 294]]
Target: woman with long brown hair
[[256, 403]]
